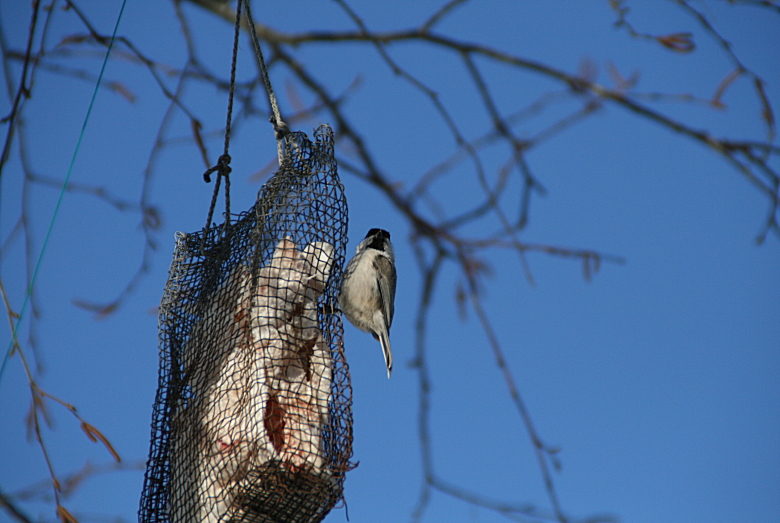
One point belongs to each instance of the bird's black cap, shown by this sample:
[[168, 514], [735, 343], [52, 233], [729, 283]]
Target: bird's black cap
[[379, 237], [379, 232]]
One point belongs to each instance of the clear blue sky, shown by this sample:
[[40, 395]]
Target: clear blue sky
[[659, 379]]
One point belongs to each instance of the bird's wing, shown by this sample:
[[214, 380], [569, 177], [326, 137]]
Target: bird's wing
[[386, 277]]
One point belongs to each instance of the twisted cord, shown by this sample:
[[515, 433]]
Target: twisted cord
[[280, 128], [222, 168]]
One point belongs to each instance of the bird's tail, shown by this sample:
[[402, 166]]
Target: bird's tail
[[384, 340]]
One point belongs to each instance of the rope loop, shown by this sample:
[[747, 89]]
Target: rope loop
[[222, 168]]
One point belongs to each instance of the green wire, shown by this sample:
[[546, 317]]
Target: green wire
[[14, 340]]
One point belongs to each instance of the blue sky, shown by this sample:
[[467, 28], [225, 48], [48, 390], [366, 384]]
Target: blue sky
[[658, 379]]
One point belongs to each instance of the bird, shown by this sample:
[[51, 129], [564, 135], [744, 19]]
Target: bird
[[368, 290]]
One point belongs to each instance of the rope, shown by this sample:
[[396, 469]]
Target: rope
[[223, 163], [280, 128], [14, 340]]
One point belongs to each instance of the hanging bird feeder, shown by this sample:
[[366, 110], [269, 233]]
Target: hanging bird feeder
[[252, 420]]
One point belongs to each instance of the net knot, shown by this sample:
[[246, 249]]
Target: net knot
[[281, 130]]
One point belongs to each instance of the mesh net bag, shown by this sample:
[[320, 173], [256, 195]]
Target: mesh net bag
[[252, 421]]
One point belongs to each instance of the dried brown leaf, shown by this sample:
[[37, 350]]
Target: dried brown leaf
[[74, 39], [101, 310], [37, 407], [196, 126], [122, 91], [679, 42], [95, 435], [722, 86], [622, 83], [65, 516]]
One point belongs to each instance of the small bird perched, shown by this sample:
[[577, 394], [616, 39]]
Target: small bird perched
[[368, 290]]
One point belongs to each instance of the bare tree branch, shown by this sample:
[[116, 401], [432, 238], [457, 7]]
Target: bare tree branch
[[442, 231]]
